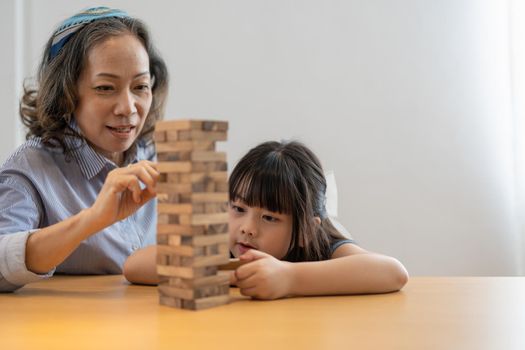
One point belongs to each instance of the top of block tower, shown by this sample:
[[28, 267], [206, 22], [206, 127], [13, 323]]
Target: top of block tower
[[191, 124]]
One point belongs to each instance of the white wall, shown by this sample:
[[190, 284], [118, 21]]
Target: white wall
[[10, 74], [408, 101]]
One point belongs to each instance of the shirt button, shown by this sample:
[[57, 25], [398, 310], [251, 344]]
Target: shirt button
[[134, 247]]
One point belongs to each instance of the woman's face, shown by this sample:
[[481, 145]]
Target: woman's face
[[258, 228], [114, 95]]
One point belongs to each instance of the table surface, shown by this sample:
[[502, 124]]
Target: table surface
[[102, 312]]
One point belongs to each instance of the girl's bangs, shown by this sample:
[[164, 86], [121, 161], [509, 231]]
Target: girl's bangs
[[263, 188]]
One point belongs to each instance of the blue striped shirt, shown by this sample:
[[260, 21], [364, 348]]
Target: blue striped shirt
[[39, 187]]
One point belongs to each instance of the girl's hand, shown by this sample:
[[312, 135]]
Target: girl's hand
[[265, 277], [121, 194]]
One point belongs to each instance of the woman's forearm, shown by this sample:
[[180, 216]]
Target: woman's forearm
[[50, 246], [355, 274]]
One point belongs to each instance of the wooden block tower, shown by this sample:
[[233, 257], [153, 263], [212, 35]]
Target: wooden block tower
[[192, 231]]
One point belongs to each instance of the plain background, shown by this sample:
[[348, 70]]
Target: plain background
[[409, 102]]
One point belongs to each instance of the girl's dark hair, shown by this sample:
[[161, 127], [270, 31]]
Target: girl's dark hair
[[287, 177], [47, 108]]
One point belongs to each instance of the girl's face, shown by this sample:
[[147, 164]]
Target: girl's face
[[258, 228], [114, 95]]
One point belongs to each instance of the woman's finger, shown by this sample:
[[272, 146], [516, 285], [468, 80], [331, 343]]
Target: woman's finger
[[134, 187], [145, 173]]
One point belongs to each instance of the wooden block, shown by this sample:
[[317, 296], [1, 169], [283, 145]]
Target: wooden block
[[168, 198], [175, 292], [170, 301], [176, 208], [211, 208], [214, 125], [187, 167], [210, 197], [222, 248], [208, 156], [221, 277], [182, 250], [198, 240], [162, 239], [186, 272], [210, 250], [216, 176], [165, 147], [211, 260], [198, 208], [217, 228], [233, 264], [203, 240], [178, 125], [173, 188], [185, 178], [196, 135], [180, 156], [203, 219], [164, 227], [209, 186], [159, 136], [221, 187], [162, 259], [175, 240], [206, 303], [174, 167]]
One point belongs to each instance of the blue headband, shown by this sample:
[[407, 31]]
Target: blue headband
[[73, 24]]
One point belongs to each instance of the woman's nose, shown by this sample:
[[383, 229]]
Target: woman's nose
[[126, 104]]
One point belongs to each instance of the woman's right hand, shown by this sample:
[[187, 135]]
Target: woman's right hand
[[121, 194]]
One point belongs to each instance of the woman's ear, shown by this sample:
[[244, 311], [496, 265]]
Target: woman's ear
[[317, 220]]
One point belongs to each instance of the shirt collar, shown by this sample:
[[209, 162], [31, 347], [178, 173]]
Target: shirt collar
[[89, 160]]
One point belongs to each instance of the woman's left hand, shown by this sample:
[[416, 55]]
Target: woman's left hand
[[264, 277]]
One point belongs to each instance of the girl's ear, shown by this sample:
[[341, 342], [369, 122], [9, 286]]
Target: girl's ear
[[317, 220]]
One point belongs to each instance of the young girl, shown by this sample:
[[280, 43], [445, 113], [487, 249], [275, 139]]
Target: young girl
[[278, 224]]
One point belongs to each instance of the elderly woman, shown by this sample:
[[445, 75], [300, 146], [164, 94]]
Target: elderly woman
[[76, 197]]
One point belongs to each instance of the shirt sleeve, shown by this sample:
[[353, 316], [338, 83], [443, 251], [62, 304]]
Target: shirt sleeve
[[20, 213], [339, 243]]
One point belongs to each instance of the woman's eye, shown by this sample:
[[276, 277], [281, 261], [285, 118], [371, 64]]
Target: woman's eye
[[143, 87], [104, 88]]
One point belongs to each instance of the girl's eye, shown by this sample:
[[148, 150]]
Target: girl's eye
[[237, 209], [270, 218]]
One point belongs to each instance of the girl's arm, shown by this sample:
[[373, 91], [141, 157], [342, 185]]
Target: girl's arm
[[141, 266], [352, 270]]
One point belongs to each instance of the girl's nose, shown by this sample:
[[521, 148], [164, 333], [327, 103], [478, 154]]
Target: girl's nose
[[249, 228]]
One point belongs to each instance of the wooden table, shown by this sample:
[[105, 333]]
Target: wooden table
[[105, 312]]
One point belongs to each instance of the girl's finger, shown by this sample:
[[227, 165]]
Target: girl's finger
[[249, 292], [245, 271]]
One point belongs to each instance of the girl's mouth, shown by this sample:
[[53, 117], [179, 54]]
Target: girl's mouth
[[244, 247]]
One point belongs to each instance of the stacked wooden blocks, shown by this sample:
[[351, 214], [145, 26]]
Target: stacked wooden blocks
[[192, 231]]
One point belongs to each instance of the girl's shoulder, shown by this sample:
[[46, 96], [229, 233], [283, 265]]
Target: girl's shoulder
[[337, 242]]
